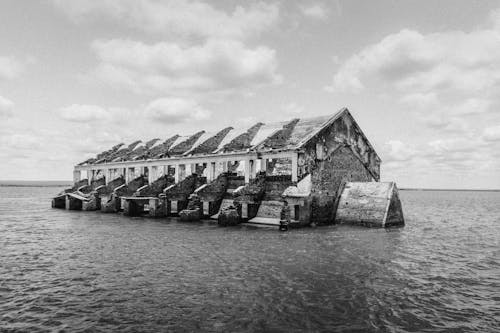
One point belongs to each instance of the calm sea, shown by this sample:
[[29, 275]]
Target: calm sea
[[85, 271]]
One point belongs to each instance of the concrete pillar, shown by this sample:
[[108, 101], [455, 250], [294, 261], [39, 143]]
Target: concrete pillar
[[247, 171], [152, 174], [177, 173], [89, 175], [225, 166], [263, 164], [252, 169], [77, 175], [129, 175], [188, 169], [107, 175], [295, 168], [210, 171]]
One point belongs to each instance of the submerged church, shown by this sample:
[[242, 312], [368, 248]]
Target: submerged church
[[320, 170]]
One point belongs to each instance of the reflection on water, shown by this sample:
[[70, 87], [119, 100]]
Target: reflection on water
[[79, 271]]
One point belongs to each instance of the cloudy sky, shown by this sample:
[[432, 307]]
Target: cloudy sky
[[422, 78]]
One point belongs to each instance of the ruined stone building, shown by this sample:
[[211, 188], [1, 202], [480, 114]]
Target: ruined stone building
[[312, 164]]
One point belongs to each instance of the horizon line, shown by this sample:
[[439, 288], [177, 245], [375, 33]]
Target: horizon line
[[25, 183]]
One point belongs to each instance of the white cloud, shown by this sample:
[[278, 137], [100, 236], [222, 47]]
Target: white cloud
[[420, 100], [492, 133], [6, 106], [472, 106], [397, 151], [20, 142], [82, 113], [10, 68], [93, 144], [293, 109], [410, 60], [315, 11], [175, 110], [215, 66], [182, 17], [447, 80]]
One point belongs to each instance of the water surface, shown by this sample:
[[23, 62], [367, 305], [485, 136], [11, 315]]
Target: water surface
[[87, 271]]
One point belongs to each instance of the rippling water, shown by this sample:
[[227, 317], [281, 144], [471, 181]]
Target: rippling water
[[86, 271]]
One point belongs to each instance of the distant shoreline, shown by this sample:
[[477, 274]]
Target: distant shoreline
[[448, 189], [27, 183], [35, 183]]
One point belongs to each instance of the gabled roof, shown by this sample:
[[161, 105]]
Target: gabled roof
[[285, 135]]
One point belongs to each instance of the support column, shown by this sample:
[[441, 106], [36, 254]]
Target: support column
[[177, 173], [188, 169], [107, 175], [263, 165], [130, 175], [252, 169], [210, 171], [295, 168], [89, 176], [77, 175], [225, 167], [152, 174], [247, 171]]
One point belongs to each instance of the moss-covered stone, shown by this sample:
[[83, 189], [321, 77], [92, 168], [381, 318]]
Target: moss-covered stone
[[185, 145], [244, 140], [229, 217], [211, 144]]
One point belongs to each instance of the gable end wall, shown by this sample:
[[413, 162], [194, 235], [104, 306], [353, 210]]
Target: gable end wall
[[336, 155]]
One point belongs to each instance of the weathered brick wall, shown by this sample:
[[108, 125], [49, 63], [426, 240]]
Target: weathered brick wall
[[279, 166], [342, 132], [97, 182], [157, 186], [327, 179], [339, 153], [275, 185], [183, 189], [235, 181], [132, 186], [215, 190], [108, 189], [253, 192]]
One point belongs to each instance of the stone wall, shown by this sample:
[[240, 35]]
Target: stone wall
[[343, 131], [183, 189], [215, 190], [156, 187], [328, 177], [253, 192], [275, 185], [131, 187]]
